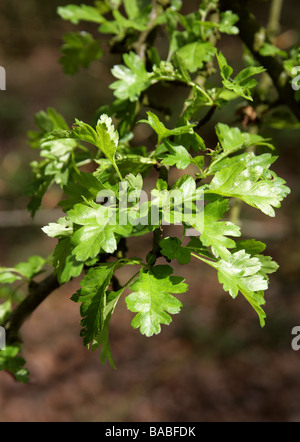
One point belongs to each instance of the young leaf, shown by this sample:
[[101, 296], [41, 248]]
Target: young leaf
[[196, 54], [161, 129], [92, 295], [250, 185], [79, 50], [178, 156], [63, 227], [75, 13], [242, 83], [172, 249], [105, 137], [32, 267], [96, 233], [231, 138], [241, 272], [152, 300], [11, 361], [133, 79], [215, 233], [103, 337], [65, 264]]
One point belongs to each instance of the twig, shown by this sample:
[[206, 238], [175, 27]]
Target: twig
[[141, 44], [249, 29], [274, 18], [206, 117], [36, 296]]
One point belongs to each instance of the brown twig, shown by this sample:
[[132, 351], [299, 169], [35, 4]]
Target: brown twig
[[36, 296], [249, 30]]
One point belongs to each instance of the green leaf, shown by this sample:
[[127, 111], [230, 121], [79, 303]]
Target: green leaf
[[5, 311], [255, 248], [7, 276], [216, 232], [242, 82], [87, 186], [161, 129], [250, 183], [32, 267], [225, 25], [108, 137], [65, 264], [152, 300], [251, 246], [269, 50], [178, 156], [75, 13], [12, 362], [62, 228], [79, 50], [131, 8], [98, 305], [196, 54], [230, 138], [102, 339], [98, 231], [133, 79], [92, 295], [172, 249], [227, 22], [241, 272], [58, 157], [256, 140], [105, 137]]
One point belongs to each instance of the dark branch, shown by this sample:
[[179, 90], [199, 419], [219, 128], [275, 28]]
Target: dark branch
[[249, 31], [36, 296], [206, 117]]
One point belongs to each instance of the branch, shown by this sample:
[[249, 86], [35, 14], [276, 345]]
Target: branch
[[206, 117], [40, 291], [36, 296], [249, 31], [141, 44]]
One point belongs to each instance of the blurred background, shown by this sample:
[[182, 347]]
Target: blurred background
[[214, 362]]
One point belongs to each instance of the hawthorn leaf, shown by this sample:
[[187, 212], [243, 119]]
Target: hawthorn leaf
[[241, 272], [242, 82], [196, 54], [231, 138], [96, 233], [172, 249], [152, 299], [178, 155], [32, 267], [76, 13], [250, 185], [63, 227], [132, 78], [102, 339], [65, 264], [162, 131], [79, 50], [92, 296], [11, 361], [215, 232]]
